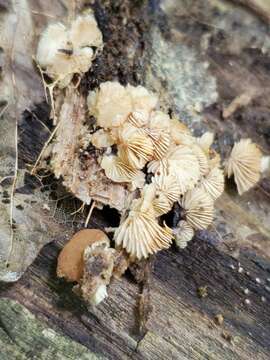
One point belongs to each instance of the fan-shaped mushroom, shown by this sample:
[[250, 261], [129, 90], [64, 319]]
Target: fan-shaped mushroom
[[213, 183], [199, 208], [245, 164]]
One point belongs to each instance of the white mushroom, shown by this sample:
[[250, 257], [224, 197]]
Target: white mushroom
[[183, 234], [213, 183], [199, 208], [245, 164]]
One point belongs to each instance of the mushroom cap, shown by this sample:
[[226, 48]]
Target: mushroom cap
[[183, 234], [85, 32], [70, 260], [117, 170], [205, 141], [213, 183], [110, 105], [168, 186], [202, 159], [181, 162], [63, 52], [245, 164], [141, 235], [102, 139], [199, 208], [180, 133], [142, 99], [134, 147]]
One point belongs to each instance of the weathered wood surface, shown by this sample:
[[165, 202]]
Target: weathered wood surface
[[182, 324], [164, 45]]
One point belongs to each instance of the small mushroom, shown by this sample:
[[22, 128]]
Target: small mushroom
[[63, 51], [141, 235], [110, 104], [213, 183], [70, 260], [117, 170], [244, 164], [183, 234], [101, 139], [205, 141], [180, 133], [199, 208], [135, 148]]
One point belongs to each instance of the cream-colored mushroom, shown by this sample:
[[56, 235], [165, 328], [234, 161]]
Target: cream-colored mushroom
[[134, 146], [110, 104], [198, 207], [181, 162], [116, 170], [102, 139], [213, 183], [205, 141], [141, 235], [63, 51], [244, 163], [183, 234]]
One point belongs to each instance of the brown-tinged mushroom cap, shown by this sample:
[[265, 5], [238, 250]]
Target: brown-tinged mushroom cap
[[183, 234], [245, 164], [70, 260], [199, 208], [213, 183]]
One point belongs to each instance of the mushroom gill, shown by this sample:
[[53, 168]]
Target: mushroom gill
[[141, 235], [213, 183], [199, 208], [244, 164]]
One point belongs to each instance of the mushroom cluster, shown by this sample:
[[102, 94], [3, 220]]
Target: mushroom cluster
[[159, 159]]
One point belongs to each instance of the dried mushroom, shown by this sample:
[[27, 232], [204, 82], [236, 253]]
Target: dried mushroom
[[244, 164], [63, 51]]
